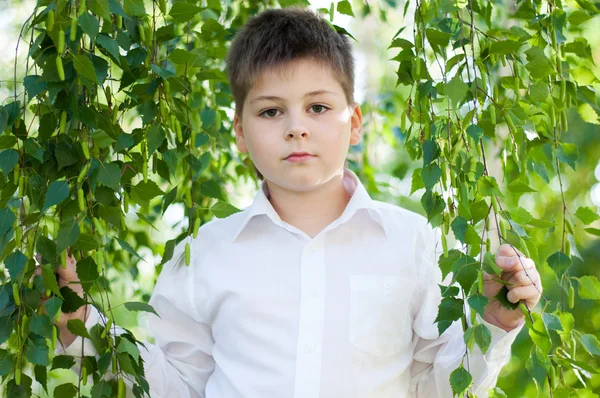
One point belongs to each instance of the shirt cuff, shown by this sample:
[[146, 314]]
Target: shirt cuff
[[80, 344], [501, 340]]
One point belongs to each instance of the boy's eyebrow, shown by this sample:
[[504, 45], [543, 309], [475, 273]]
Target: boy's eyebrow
[[275, 98]]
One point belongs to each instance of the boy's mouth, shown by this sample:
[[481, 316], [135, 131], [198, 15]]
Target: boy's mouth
[[299, 157]]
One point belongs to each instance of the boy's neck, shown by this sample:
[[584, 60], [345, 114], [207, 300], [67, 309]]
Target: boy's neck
[[310, 211]]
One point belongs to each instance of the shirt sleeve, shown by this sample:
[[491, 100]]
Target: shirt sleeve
[[180, 362], [435, 357]]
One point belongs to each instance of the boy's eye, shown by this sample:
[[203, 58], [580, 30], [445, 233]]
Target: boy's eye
[[271, 113]]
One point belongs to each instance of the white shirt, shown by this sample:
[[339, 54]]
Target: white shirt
[[265, 311]]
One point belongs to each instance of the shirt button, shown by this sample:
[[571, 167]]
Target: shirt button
[[387, 284], [313, 292], [310, 347]]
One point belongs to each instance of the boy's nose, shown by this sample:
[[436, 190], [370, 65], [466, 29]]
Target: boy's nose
[[297, 132]]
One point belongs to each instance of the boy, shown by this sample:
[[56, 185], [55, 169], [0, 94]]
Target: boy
[[315, 290]]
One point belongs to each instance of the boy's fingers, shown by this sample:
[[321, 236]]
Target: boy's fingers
[[508, 250], [509, 263], [523, 278], [529, 293]]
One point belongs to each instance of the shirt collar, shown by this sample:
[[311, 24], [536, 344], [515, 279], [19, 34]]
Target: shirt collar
[[360, 199]]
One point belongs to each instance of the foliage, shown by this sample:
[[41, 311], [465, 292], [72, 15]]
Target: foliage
[[130, 114]]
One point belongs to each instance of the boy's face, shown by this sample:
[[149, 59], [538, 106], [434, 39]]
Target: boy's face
[[294, 120]]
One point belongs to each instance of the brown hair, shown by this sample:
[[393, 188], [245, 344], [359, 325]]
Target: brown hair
[[275, 37]]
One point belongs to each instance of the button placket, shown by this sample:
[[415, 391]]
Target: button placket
[[312, 320]]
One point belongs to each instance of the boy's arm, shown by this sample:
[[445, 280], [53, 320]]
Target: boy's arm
[[180, 362], [436, 357]]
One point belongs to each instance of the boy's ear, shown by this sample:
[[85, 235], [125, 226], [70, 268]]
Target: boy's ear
[[356, 122], [239, 134]]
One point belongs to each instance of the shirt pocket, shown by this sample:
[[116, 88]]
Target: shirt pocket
[[380, 321]]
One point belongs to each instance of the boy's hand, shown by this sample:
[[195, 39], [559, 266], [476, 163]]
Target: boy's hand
[[525, 284], [68, 277]]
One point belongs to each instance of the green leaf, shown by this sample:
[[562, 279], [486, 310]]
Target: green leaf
[[41, 325], [7, 362], [538, 65], [478, 302], [449, 310], [8, 160], [101, 139], [437, 37], [71, 300], [344, 7], [183, 12], [587, 215], [128, 347], [417, 181], [211, 189], [487, 186], [67, 234], [66, 390], [128, 248], [431, 174], [85, 68], [102, 388], [589, 287], [456, 89], [475, 132], [223, 209], [588, 114], [143, 192], [110, 175], [446, 263], [77, 327], [583, 76], [15, 262], [49, 277], [87, 271], [100, 7], [460, 380], [89, 24], [57, 192], [517, 186], [505, 47], [109, 45], [52, 305], [593, 231], [62, 362], [568, 153], [7, 220], [433, 204], [180, 56], [138, 306], [87, 242], [591, 344], [465, 271], [559, 262], [490, 266], [537, 365], [402, 43], [577, 17], [503, 300], [551, 322], [483, 337], [134, 8], [430, 152], [37, 352], [465, 231]]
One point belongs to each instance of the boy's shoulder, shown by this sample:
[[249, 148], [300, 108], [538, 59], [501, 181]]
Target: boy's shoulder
[[401, 216]]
